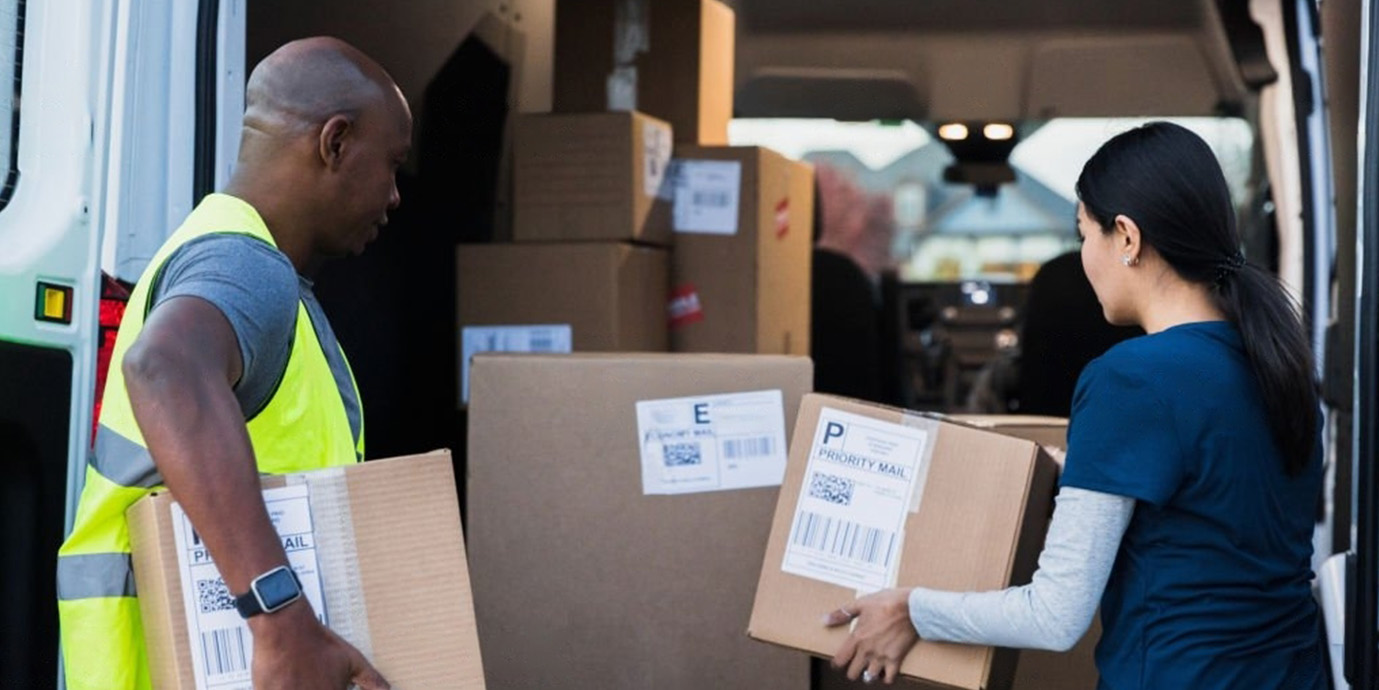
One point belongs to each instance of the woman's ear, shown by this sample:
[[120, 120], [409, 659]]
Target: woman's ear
[[331, 144], [1128, 238]]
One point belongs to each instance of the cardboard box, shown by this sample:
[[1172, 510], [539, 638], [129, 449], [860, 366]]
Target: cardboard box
[[582, 580], [598, 297], [740, 273], [590, 177], [945, 506], [683, 67], [384, 537], [1037, 669], [1050, 432], [1074, 669]]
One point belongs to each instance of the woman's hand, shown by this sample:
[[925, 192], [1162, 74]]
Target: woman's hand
[[881, 638]]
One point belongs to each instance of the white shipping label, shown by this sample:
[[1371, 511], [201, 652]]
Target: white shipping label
[[222, 647], [670, 184], [707, 195], [712, 442], [657, 145], [553, 338], [849, 524]]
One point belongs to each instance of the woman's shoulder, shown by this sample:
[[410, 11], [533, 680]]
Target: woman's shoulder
[[1191, 352], [1187, 344]]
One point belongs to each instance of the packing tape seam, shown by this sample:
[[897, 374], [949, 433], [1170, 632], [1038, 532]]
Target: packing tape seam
[[337, 556], [930, 427]]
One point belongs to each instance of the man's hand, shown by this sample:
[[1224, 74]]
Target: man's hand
[[881, 638], [293, 651]]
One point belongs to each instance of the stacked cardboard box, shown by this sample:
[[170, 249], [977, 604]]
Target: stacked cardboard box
[[740, 272], [676, 63], [876, 497], [591, 177], [738, 221], [381, 556], [608, 548], [553, 297], [589, 270]]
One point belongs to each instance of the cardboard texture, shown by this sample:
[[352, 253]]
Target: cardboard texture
[[411, 568], [753, 287], [684, 75], [979, 526], [1071, 670], [589, 177], [582, 581], [612, 295], [1037, 669], [1051, 432]]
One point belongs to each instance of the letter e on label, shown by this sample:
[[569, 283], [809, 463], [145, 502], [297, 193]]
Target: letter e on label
[[701, 413]]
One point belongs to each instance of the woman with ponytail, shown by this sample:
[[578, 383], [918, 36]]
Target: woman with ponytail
[[1193, 466]]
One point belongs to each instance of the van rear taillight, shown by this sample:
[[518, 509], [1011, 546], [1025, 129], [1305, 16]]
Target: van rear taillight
[[114, 297]]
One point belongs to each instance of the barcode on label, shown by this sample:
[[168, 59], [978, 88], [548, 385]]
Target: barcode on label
[[762, 446], [714, 199], [224, 651], [681, 454], [844, 539]]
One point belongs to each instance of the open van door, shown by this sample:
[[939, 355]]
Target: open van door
[[1362, 594], [105, 145], [52, 54]]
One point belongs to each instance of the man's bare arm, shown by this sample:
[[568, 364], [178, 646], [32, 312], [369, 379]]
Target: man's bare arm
[[180, 375]]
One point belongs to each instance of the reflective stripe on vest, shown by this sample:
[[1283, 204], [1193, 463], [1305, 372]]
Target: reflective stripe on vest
[[95, 575], [123, 461], [303, 426]]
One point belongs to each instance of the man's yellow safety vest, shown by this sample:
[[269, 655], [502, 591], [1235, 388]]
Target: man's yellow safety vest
[[303, 426]]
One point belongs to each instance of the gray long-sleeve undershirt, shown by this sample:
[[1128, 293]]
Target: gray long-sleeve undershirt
[[1056, 607]]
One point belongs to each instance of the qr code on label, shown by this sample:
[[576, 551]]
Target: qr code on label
[[681, 454], [835, 490], [213, 595]]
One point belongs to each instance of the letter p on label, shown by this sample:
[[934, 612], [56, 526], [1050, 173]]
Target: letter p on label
[[832, 430]]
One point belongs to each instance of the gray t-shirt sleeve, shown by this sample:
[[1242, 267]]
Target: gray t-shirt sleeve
[[1055, 609], [255, 287]]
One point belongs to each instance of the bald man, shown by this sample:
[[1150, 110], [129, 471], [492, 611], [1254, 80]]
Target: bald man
[[226, 367]]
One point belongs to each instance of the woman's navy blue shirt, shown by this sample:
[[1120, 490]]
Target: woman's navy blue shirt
[[1212, 584]]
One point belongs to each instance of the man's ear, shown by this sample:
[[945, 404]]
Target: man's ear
[[331, 145]]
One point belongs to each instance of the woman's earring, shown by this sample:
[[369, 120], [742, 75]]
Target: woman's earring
[[1125, 259]]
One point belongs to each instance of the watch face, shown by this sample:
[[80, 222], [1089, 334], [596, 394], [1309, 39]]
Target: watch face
[[277, 588]]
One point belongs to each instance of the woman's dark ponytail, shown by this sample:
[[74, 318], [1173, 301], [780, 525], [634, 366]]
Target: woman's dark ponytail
[[1167, 179], [1279, 354]]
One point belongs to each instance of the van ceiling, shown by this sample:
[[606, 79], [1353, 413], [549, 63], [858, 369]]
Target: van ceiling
[[939, 60]]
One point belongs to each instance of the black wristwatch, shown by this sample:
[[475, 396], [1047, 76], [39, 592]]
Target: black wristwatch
[[269, 592]]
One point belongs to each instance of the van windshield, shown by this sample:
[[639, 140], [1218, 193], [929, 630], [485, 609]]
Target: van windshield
[[885, 203]]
